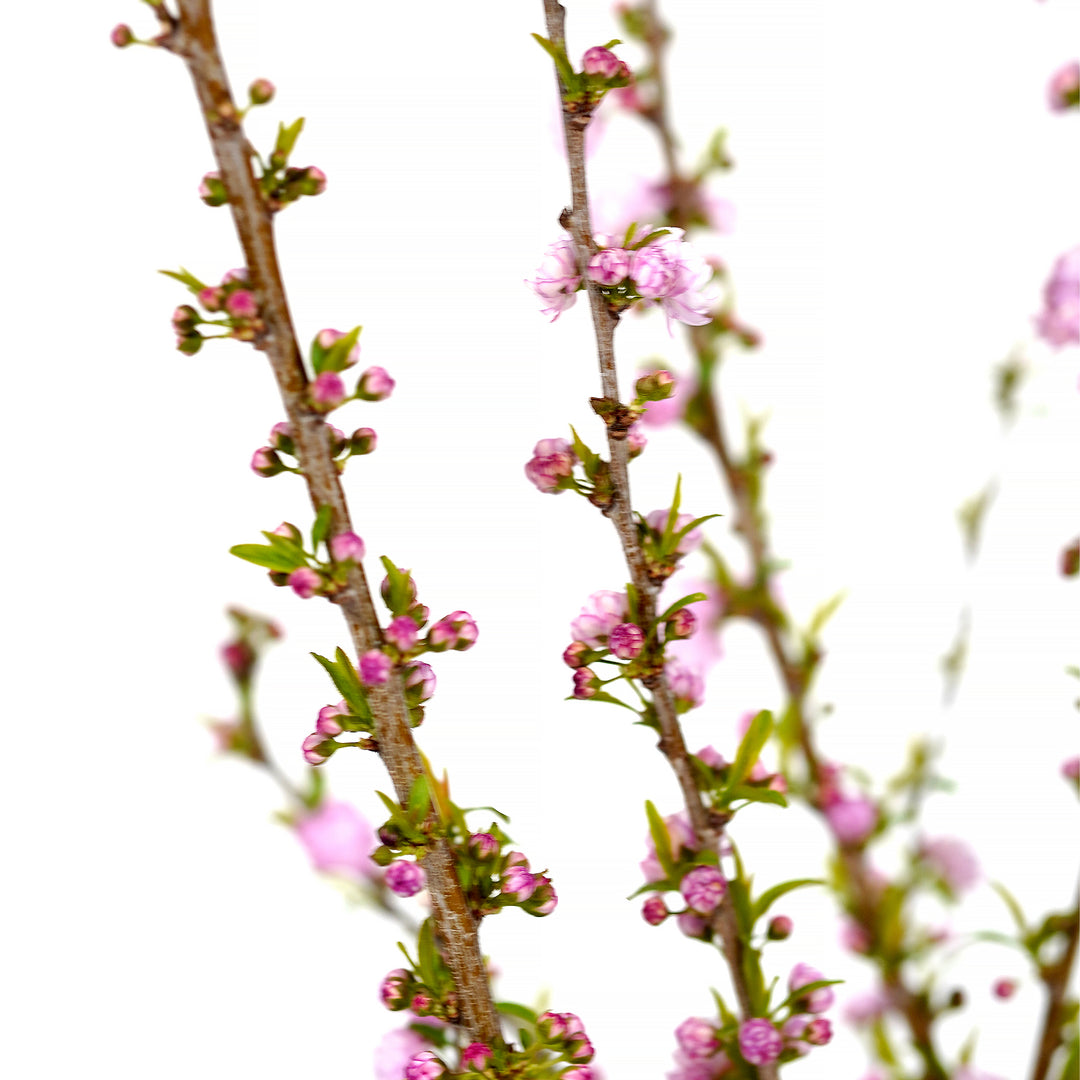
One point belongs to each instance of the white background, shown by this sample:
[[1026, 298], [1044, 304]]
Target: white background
[[902, 192]]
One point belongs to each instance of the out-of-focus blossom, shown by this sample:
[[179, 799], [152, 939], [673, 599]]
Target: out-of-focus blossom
[[952, 861], [670, 409], [1059, 321], [395, 1051], [1063, 90], [852, 820], [701, 651], [339, 840]]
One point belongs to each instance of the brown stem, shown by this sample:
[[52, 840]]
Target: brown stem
[[193, 39], [706, 825], [1055, 978]]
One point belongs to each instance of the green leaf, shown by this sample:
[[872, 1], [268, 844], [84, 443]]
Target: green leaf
[[194, 285], [348, 684], [419, 798], [426, 954], [557, 53], [287, 136], [647, 239], [336, 358], [755, 981], [321, 528], [265, 555], [823, 614], [692, 598], [749, 750], [693, 525], [770, 896], [289, 548], [727, 1017], [754, 794], [519, 1012], [740, 899], [661, 839], [589, 460]]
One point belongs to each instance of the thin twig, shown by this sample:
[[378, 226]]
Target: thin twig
[[1055, 978], [707, 827], [193, 39]]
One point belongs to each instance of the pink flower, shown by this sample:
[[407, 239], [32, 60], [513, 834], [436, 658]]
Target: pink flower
[[610, 266], [404, 878], [339, 840], [670, 409], [852, 820], [816, 1001], [697, 1038], [759, 1042], [241, 304], [556, 280], [1059, 322], [396, 1050], [477, 1056], [866, 1007], [702, 650], [602, 612], [374, 668], [674, 275], [704, 888], [424, 1066], [601, 61], [402, 633], [552, 461], [687, 685], [626, 641], [346, 547], [1063, 91], [952, 861], [305, 582]]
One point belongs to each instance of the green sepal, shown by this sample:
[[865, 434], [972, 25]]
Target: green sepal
[[570, 79], [266, 555], [770, 896], [661, 839], [287, 136], [749, 750], [194, 285], [321, 529]]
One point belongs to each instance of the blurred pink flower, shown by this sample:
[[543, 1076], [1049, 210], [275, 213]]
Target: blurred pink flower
[[1058, 323], [702, 649], [952, 861], [662, 413], [339, 840], [395, 1051]]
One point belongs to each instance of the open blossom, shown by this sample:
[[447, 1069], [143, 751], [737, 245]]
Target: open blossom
[[552, 460], [687, 685], [556, 280], [1058, 323], [952, 861], [339, 840], [601, 613], [673, 274]]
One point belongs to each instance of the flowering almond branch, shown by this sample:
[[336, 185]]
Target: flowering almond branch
[[191, 36]]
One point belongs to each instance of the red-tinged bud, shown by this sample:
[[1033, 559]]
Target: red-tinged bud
[[184, 319], [362, 441], [818, 1032], [281, 438], [327, 391], [265, 462], [573, 654], [477, 1056], [212, 190], [241, 304], [375, 385], [290, 532], [654, 911], [121, 36], [681, 625], [305, 582], [626, 641], [347, 547], [394, 990], [1004, 989], [212, 297], [483, 846], [261, 92], [655, 386], [602, 62], [239, 658], [317, 748], [586, 684], [780, 927], [374, 668]]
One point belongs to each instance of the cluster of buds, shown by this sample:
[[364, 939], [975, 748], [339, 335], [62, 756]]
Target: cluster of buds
[[601, 71], [279, 183], [647, 266], [551, 469], [333, 352], [564, 1034], [231, 305], [403, 989], [267, 460]]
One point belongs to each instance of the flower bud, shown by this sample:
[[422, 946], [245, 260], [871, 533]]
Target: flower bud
[[655, 386], [636, 440], [346, 547], [424, 1066], [1004, 988], [290, 532], [212, 190], [703, 888], [362, 441], [626, 641], [265, 462], [212, 298], [305, 582], [818, 1032], [281, 438], [327, 391], [759, 1042], [375, 385], [697, 1038], [261, 92], [317, 748], [553, 460], [780, 927], [189, 344], [1070, 769], [817, 1001], [374, 668], [241, 304], [419, 681], [517, 883], [681, 625], [327, 724], [586, 684], [654, 911], [693, 926], [1070, 559], [394, 989], [410, 590], [121, 36], [404, 878], [401, 633], [455, 631], [483, 846], [573, 653], [185, 319], [544, 899], [602, 62]]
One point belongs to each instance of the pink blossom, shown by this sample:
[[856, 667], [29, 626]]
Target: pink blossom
[[854, 937], [375, 384], [626, 641], [374, 668], [674, 275], [866, 1007], [477, 1056], [852, 820], [759, 1042], [556, 280], [553, 460], [305, 582], [692, 925], [339, 840], [395, 1051], [424, 1066], [602, 612], [327, 390], [405, 878], [327, 723], [602, 62], [681, 836], [241, 304], [544, 899], [654, 911], [402, 633], [1063, 90], [952, 861], [610, 266], [346, 547], [816, 1001], [697, 1038], [636, 440], [518, 883], [703, 889], [702, 650], [1059, 322]]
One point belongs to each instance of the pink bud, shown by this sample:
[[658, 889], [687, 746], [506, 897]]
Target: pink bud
[[401, 633], [241, 304], [317, 748], [654, 911], [211, 298], [586, 684], [316, 179], [327, 723], [818, 1032], [609, 267], [288, 530], [261, 91], [517, 883], [239, 273], [121, 36], [573, 653], [281, 437], [1004, 988], [626, 641], [362, 441], [602, 62], [1070, 769], [374, 668], [212, 191], [265, 462], [404, 878], [305, 582], [1064, 89], [780, 927], [419, 681], [693, 926], [327, 391], [817, 1001], [704, 888], [483, 845], [424, 1066], [393, 989], [552, 461], [636, 440], [346, 547], [544, 899], [375, 384], [477, 1056], [852, 820], [697, 1038], [759, 1042]]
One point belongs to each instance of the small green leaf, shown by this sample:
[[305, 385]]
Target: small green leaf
[[265, 555], [692, 598], [426, 955], [348, 684], [661, 839], [754, 794], [289, 548], [519, 1012], [336, 358], [770, 896], [321, 528], [557, 53], [750, 749], [648, 239], [1013, 905], [287, 136], [823, 614], [194, 285], [809, 988]]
